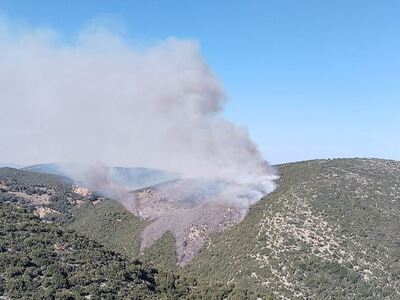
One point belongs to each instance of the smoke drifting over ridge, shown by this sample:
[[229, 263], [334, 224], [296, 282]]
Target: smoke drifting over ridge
[[101, 100]]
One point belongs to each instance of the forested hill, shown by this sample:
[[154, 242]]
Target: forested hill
[[40, 258], [329, 231]]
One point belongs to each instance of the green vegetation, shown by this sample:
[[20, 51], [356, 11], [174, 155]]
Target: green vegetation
[[110, 224], [329, 231], [32, 189], [116, 228], [44, 261]]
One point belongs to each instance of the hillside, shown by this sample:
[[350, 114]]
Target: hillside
[[330, 230], [43, 261], [40, 258], [57, 199]]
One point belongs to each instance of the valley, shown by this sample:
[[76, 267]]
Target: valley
[[329, 230]]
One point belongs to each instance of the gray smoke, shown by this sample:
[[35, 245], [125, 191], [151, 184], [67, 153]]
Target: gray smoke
[[100, 99]]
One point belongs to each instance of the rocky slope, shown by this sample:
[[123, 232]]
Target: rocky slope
[[191, 210], [329, 231]]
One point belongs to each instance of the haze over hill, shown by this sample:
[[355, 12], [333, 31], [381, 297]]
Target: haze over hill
[[159, 107], [190, 209], [41, 258], [129, 178], [99, 101], [329, 230]]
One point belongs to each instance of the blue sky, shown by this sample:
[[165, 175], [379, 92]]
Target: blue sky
[[309, 79]]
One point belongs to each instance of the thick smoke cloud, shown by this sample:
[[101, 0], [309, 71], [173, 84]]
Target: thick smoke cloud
[[100, 99]]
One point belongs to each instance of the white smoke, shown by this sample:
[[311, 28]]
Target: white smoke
[[101, 100]]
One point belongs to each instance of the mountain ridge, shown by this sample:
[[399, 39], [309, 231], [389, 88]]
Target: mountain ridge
[[128, 177], [327, 231]]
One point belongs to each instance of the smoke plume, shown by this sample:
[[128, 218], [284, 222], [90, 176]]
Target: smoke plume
[[100, 99]]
